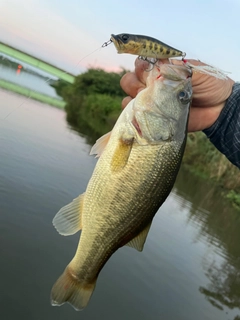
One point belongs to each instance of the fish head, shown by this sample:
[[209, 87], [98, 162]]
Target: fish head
[[125, 43], [160, 111]]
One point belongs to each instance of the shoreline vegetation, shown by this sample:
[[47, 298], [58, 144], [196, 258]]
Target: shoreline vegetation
[[7, 85], [93, 103]]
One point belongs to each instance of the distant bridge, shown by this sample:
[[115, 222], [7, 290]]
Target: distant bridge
[[40, 64]]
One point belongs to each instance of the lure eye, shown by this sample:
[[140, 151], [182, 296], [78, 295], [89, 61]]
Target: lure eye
[[125, 37], [184, 97]]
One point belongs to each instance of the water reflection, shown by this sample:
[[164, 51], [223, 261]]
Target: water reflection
[[219, 226], [85, 131], [28, 77]]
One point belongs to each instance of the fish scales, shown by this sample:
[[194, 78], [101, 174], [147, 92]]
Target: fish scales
[[132, 178], [122, 192]]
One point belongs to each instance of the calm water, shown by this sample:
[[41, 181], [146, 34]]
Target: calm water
[[31, 81], [188, 270]]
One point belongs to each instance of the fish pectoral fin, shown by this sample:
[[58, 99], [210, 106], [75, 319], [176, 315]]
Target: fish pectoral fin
[[100, 145], [121, 154], [68, 220], [139, 241]]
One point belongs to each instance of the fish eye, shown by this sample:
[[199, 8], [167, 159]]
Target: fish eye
[[184, 97], [125, 37]]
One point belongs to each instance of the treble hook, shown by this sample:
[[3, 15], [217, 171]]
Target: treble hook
[[149, 60], [183, 56], [107, 43]]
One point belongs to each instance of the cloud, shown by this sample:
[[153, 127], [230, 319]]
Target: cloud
[[43, 33]]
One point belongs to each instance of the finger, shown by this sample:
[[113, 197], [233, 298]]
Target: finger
[[140, 69], [203, 118], [184, 61], [176, 62], [126, 101], [195, 62], [210, 91], [131, 84]]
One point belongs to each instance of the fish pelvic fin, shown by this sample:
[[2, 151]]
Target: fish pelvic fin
[[68, 220], [68, 288]]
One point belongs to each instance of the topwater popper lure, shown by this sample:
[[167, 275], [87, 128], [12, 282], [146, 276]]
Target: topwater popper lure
[[152, 50], [144, 46]]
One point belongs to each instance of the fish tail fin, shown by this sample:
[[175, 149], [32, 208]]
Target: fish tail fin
[[69, 289]]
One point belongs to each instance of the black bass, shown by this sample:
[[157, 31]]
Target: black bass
[[138, 164], [144, 46]]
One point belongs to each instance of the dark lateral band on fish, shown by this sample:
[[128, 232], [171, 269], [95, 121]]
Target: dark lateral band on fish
[[144, 46]]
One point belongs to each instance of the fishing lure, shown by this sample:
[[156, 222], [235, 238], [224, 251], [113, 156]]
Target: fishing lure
[[151, 50], [144, 46]]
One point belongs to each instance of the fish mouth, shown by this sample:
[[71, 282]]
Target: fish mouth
[[114, 37], [116, 40], [137, 126], [174, 72], [169, 74]]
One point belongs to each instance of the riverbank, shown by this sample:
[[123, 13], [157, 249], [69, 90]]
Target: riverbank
[[202, 159], [10, 86]]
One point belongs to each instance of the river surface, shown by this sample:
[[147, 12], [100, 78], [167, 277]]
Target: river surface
[[190, 266], [35, 82]]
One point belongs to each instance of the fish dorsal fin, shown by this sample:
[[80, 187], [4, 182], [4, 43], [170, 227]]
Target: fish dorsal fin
[[121, 154], [100, 145], [138, 242], [68, 220]]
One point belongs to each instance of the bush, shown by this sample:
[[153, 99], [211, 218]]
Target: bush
[[100, 111], [202, 158], [93, 101]]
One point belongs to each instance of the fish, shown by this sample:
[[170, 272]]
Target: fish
[[137, 165], [144, 46]]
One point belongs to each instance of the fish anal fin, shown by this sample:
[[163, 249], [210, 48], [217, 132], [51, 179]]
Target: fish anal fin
[[68, 288], [121, 154], [100, 145], [139, 241], [68, 220]]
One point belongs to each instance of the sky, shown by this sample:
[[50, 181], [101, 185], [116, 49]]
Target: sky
[[70, 33]]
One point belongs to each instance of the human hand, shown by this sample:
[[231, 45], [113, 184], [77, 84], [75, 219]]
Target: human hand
[[209, 93]]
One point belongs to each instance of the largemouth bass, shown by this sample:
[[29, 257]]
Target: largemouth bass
[[144, 46], [137, 167]]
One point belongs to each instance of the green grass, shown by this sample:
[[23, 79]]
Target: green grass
[[205, 161], [32, 94], [234, 198]]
